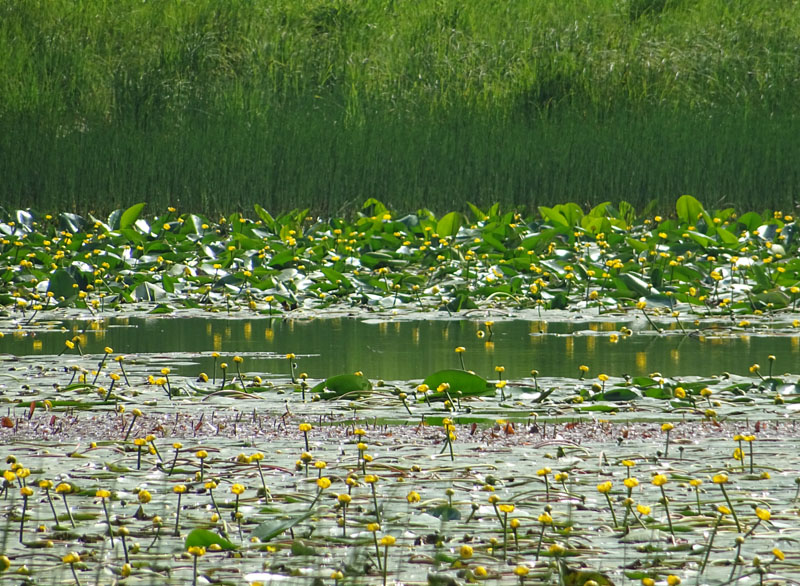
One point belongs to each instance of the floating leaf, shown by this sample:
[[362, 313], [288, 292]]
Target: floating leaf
[[617, 394], [462, 384], [445, 513], [573, 577], [269, 530], [204, 538], [299, 547], [352, 385]]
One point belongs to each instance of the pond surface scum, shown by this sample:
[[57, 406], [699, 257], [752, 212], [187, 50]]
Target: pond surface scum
[[570, 399]]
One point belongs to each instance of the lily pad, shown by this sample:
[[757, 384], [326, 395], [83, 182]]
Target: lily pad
[[335, 387], [461, 383], [204, 538]]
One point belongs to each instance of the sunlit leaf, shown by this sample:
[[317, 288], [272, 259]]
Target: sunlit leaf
[[204, 538]]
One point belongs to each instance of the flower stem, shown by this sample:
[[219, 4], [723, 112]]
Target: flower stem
[[505, 535], [610, 506], [385, 562], [666, 508], [75, 575], [730, 506], [377, 550], [177, 531], [69, 513], [22, 517], [375, 502], [108, 522], [53, 507], [710, 543]]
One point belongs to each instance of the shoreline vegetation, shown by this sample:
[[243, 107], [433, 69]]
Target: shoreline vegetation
[[217, 106], [707, 263]]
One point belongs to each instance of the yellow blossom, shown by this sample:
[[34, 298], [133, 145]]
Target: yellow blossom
[[659, 480], [604, 487]]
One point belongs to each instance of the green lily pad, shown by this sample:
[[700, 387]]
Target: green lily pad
[[352, 385], [445, 513], [204, 538], [269, 530], [462, 384]]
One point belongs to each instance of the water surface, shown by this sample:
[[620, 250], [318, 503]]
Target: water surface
[[413, 349]]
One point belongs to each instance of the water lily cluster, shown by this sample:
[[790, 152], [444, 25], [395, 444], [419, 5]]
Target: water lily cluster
[[561, 257], [340, 502]]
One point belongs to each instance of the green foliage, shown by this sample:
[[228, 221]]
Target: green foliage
[[565, 258], [460, 384], [219, 106], [449, 224], [204, 538], [269, 530], [343, 386]]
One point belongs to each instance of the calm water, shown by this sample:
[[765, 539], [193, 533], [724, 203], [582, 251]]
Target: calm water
[[412, 350]]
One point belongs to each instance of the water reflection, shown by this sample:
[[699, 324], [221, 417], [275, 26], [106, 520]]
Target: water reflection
[[406, 350]]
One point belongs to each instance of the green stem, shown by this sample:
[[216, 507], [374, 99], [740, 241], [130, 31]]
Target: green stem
[[610, 506], [22, 518], [377, 550], [385, 562], [666, 508], [177, 531], [69, 513], [108, 522], [730, 505], [75, 575], [263, 482], [505, 535], [53, 507], [375, 502]]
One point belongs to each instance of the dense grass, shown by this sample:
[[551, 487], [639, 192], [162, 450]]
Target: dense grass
[[324, 103]]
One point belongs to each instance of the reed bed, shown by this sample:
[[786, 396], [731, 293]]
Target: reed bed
[[317, 103]]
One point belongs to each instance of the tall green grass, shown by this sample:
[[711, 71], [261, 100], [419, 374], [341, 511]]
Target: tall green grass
[[216, 105]]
